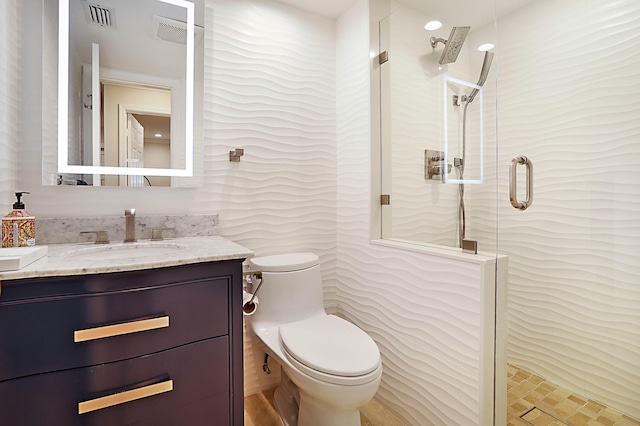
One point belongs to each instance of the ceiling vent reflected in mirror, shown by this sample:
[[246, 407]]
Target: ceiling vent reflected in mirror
[[170, 30], [174, 31], [99, 15]]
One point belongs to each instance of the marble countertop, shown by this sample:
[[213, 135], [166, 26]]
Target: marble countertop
[[90, 258]]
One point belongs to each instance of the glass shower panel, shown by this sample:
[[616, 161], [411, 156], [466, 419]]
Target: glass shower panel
[[437, 143]]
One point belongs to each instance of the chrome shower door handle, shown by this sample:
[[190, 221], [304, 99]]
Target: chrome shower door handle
[[513, 188]]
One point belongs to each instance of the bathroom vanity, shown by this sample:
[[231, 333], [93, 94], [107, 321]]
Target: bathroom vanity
[[144, 334]]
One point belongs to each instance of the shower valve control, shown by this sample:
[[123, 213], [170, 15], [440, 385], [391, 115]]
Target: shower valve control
[[434, 165]]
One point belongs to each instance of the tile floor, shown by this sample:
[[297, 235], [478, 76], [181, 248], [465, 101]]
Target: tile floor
[[259, 411], [531, 400]]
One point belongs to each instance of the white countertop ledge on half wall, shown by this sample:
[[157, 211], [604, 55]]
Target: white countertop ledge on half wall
[[440, 251], [90, 258]]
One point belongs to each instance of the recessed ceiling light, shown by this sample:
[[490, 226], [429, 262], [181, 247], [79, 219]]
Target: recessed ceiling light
[[485, 47], [433, 25], [158, 135]]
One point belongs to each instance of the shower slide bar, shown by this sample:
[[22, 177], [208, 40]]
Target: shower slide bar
[[513, 188]]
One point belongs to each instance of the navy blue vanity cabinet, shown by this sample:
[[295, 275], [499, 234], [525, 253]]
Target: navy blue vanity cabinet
[[149, 347]]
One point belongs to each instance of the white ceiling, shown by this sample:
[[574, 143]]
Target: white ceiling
[[331, 9], [457, 12]]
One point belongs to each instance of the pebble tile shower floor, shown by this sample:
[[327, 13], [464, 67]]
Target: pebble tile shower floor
[[532, 400]]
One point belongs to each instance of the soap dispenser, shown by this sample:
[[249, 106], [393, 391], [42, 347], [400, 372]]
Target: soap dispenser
[[18, 227]]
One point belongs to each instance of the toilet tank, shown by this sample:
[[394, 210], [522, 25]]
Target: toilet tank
[[291, 289]]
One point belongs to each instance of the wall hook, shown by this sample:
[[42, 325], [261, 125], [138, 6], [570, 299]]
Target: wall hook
[[235, 155]]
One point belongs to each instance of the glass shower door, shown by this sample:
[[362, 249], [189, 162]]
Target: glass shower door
[[569, 100]]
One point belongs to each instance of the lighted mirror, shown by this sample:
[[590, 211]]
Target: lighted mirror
[[127, 112]]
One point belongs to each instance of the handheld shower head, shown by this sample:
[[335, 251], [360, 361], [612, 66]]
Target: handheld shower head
[[452, 45], [486, 65]]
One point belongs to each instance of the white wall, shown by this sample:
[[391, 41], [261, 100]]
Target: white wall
[[10, 117], [158, 155], [45, 92], [271, 90]]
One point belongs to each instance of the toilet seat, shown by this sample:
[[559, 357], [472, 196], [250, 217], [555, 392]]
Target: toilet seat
[[331, 349], [284, 262]]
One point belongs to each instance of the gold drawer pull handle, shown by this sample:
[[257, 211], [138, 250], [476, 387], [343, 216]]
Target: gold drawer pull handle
[[122, 397], [119, 329]]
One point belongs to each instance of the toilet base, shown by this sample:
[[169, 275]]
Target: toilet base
[[286, 401], [314, 413], [294, 409]]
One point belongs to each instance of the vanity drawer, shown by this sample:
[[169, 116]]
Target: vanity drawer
[[188, 385], [62, 332]]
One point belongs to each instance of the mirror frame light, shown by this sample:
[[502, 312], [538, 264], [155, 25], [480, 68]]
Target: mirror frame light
[[63, 103]]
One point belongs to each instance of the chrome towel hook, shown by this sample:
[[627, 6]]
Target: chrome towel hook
[[513, 196], [234, 156]]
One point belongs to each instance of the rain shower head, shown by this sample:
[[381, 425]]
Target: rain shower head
[[452, 45], [486, 65]]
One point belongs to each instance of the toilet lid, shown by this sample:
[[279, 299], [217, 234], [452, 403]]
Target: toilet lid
[[331, 345], [284, 262]]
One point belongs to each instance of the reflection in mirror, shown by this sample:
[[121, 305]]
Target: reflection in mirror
[[124, 69]]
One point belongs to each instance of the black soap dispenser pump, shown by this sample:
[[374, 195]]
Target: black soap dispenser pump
[[18, 227]]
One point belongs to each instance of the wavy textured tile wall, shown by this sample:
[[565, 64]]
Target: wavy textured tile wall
[[270, 89], [9, 114], [569, 100], [427, 328], [49, 92]]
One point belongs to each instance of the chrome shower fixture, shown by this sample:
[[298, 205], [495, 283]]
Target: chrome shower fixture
[[486, 65], [452, 45]]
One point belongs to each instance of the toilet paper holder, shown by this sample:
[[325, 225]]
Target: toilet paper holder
[[250, 306]]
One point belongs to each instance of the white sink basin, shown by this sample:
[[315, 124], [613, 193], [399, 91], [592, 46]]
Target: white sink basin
[[126, 251]]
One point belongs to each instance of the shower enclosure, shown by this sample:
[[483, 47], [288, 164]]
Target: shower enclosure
[[563, 93]]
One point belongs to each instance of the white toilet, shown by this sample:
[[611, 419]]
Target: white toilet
[[330, 367]]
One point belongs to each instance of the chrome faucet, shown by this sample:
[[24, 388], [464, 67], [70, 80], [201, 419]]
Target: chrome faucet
[[130, 226]]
